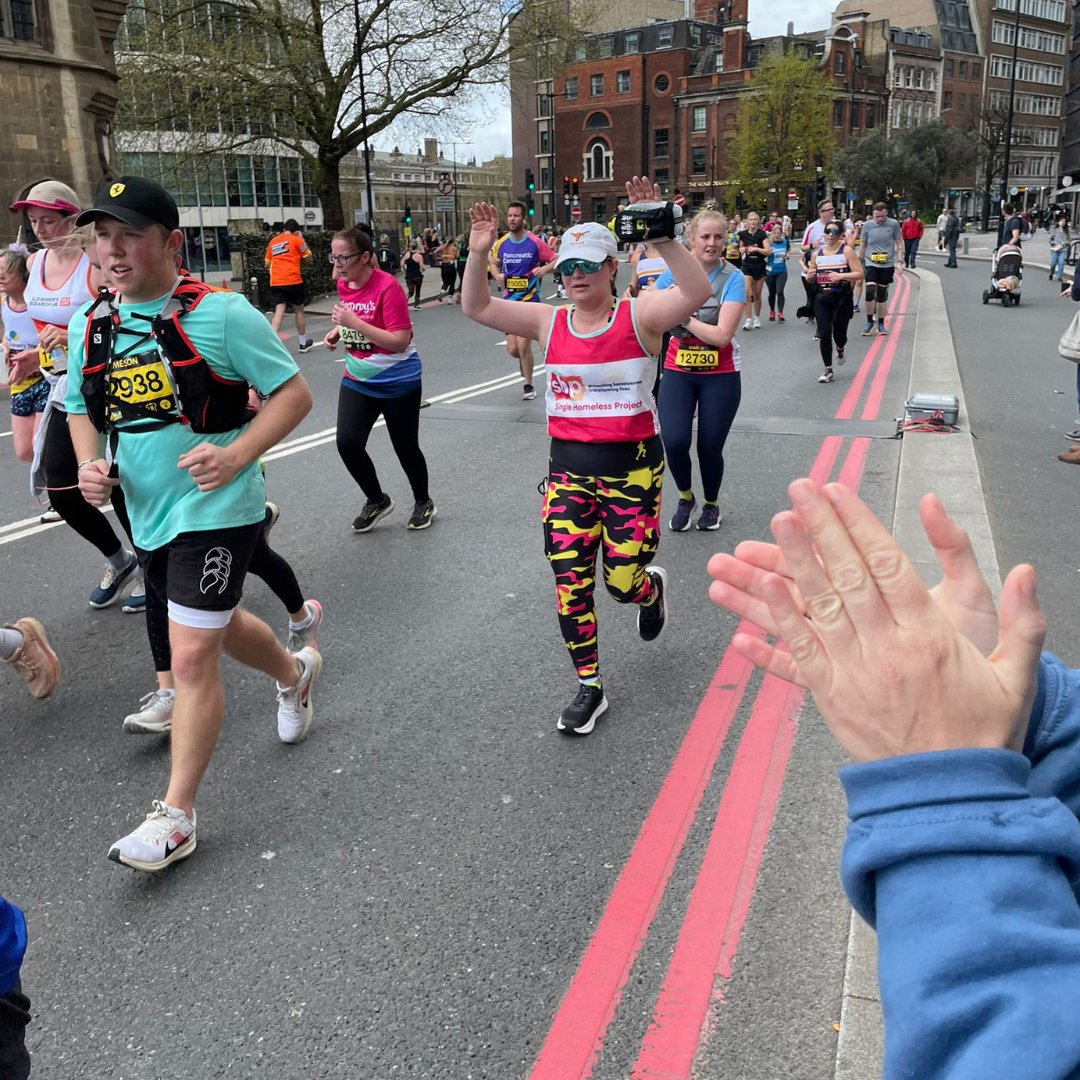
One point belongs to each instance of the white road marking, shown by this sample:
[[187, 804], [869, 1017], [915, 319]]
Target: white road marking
[[20, 530]]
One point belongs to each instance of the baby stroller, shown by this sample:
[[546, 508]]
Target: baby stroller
[[1006, 275]]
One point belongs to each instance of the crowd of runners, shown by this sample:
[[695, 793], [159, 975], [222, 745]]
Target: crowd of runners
[[123, 367]]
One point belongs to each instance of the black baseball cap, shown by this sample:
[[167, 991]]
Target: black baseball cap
[[135, 201]]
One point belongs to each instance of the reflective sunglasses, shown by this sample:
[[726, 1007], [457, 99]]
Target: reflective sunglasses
[[586, 267], [341, 260], [832, 232]]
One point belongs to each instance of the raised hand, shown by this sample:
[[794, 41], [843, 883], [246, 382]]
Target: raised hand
[[889, 671], [485, 226], [642, 189]]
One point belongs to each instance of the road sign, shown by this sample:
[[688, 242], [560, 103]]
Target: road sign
[[445, 185], [792, 194], [444, 204], [575, 213], [1014, 190]]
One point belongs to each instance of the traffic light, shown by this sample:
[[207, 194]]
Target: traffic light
[[820, 188], [530, 188], [408, 214], [574, 187], [566, 186]]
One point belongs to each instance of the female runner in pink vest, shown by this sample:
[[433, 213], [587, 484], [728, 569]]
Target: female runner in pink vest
[[607, 461]]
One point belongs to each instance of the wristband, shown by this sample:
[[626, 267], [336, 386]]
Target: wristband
[[82, 464]]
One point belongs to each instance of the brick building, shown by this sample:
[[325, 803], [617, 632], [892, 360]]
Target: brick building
[[59, 80]]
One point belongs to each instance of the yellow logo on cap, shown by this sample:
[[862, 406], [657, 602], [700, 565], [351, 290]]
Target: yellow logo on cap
[[116, 189]]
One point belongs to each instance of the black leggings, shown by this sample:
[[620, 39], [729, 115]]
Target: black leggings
[[775, 284], [62, 480], [833, 311], [716, 399], [412, 288], [449, 276], [265, 563], [357, 413]]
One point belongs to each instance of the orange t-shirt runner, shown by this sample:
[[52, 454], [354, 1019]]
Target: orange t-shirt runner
[[284, 253]]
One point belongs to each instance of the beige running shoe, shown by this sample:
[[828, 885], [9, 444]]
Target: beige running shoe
[[34, 659]]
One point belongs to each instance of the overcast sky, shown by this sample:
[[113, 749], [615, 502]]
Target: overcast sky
[[767, 17]]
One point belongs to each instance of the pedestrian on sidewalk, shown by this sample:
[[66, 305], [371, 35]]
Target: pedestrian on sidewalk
[[943, 217], [951, 234], [1059, 248], [912, 231]]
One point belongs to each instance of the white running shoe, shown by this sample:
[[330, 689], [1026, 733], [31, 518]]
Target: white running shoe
[[295, 711], [155, 715], [166, 836], [301, 639], [748, 325], [757, 323]]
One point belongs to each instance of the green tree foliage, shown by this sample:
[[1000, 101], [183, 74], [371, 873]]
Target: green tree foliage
[[917, 161], [232, 75], [785, 126]]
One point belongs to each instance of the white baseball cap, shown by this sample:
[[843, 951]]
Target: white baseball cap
[[590, 241]]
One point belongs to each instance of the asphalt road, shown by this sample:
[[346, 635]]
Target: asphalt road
[[412, 891]]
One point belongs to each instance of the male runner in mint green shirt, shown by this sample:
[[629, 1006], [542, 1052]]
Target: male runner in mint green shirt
[[196, 501]]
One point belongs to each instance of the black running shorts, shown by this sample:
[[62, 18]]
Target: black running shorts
[[202, 570], [287, 294], [878, 275]]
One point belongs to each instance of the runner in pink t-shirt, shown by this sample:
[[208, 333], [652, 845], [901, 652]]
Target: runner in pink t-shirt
[[382, 376]]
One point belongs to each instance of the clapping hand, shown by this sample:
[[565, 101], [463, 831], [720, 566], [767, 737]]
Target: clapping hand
[[894, 668]]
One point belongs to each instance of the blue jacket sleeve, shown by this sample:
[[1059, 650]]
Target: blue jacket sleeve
[[12, 944], [971, 882], [1052, 744]]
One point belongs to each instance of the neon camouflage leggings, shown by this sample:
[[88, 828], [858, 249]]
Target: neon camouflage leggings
[[617, 517]]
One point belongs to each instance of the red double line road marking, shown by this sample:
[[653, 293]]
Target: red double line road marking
[[720, 900], [577, 1032]]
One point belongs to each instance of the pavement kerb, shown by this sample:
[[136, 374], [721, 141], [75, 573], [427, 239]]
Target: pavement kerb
[[947, 465]]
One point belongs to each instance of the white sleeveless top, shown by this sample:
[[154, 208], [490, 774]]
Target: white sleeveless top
[[56, 306]]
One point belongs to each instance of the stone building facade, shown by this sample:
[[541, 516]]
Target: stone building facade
[[59, 80]]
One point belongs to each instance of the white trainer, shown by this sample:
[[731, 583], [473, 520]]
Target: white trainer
[[748, 325], [166, 836], [295, 711], [155, 715], [757, 323]]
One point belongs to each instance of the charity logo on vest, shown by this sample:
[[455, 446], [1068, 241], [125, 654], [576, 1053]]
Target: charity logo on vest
[[216, 569]]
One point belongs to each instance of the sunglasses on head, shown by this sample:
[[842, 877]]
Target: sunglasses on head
[[584, 265]]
